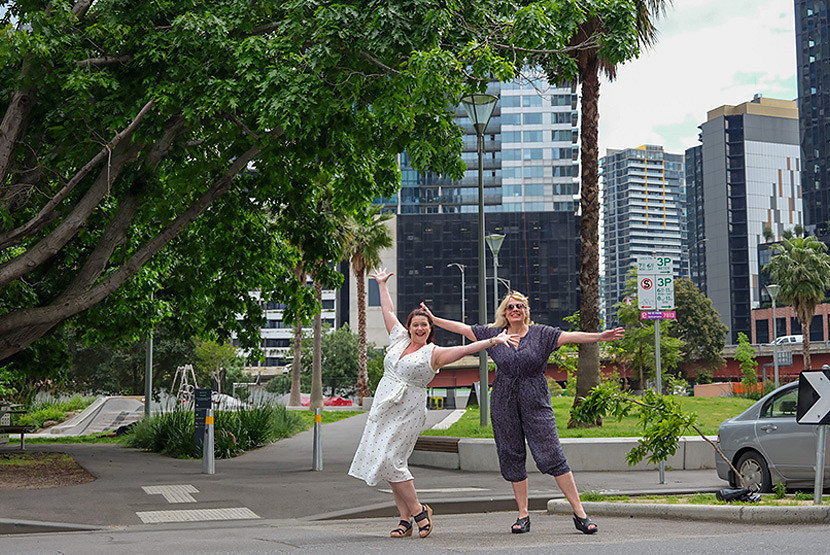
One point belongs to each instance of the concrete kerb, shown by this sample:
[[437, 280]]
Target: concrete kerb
[[9, 526], [720, 513]]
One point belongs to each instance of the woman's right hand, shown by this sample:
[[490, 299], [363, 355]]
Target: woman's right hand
[[381, 275], [427, 310]]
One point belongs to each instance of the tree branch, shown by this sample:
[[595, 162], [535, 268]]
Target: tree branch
[[45, 214], [105, 61]]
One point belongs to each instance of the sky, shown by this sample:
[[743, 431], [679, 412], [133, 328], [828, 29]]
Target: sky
[[708, 53]]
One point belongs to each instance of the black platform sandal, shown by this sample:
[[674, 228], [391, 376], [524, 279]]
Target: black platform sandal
[[584, 524], [426, 514], [523, 525], [403, 530]]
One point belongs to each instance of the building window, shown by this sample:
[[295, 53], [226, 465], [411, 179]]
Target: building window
[[534, 153], [533, 118], [374, 293], [532, 136], [531, 101]]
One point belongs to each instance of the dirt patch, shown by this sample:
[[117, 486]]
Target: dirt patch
[[40, 470]]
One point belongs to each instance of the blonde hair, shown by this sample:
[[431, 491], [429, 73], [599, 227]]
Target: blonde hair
[[501, 319]]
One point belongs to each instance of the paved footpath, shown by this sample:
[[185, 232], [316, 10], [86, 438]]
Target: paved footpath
[[276, 482]]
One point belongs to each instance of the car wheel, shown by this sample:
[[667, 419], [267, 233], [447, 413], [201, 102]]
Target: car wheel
[[755, 472]]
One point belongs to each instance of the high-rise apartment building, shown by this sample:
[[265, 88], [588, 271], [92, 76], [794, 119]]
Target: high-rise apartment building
[[531, 192], [750, 182], [643, 209], [812, 35]]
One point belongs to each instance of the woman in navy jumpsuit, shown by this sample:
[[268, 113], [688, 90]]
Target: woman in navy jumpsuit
[[520, 402]]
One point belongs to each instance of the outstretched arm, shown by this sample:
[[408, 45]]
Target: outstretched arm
[[441, 356], [588, 337], [386, 307], [451, 325]]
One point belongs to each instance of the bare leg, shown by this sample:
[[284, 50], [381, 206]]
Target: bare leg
[[568, 486], [406, 499], [520, 491]]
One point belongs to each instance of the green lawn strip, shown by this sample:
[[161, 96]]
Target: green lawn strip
[[328, 416], [711, 411]]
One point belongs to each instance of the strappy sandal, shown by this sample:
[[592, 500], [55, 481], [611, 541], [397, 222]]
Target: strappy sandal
[[426, 514], [523, 525], [584, 524], [403, 530]]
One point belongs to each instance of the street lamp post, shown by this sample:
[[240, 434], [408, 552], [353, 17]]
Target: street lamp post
[[494, 241], [479, 108], [461, 267], [773, 292]]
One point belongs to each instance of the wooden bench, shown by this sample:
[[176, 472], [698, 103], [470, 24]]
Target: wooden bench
[[440, 444], [22, 430]]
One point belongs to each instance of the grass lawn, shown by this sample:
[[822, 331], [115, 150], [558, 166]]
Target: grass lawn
[[798, 499], [711, 411]]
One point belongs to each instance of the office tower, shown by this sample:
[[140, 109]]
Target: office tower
[[531, 192], [695, 246], [812, 35], [751, 181], [643, 214]]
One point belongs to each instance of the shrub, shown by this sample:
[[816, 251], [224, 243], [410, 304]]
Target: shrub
[[555, 389], [234, 432]]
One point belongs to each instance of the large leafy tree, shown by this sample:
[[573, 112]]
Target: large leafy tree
[[366, 238], [801, 266], [699, 326], [125, 122]]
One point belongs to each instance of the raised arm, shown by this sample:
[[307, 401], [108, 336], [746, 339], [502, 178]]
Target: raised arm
[[588, 337], [386, 307], [451, 325], [441, 356]]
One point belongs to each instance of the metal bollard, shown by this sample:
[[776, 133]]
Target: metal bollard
[[207, 446], [318, 440]]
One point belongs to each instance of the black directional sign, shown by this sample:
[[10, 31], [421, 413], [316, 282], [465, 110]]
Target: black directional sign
[[813, 397]]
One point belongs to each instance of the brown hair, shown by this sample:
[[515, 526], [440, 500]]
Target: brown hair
[[419, 312]]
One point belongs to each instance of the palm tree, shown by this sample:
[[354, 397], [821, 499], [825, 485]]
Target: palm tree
[[366, 237], [590, 64], [802, 268]]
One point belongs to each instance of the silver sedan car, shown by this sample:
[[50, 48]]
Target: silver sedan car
[[766, 445]]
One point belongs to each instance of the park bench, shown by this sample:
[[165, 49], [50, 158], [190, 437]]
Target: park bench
[[17, 429], [439, 444], [22, 430]]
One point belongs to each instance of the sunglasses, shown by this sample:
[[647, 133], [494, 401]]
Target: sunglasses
[[518, 306]]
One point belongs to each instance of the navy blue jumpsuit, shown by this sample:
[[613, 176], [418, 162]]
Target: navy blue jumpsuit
[[520, 403]]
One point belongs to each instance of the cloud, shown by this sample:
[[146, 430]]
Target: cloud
[[709, 53]]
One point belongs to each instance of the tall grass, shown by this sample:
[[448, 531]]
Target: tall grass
[[234, 432], [46, 406]]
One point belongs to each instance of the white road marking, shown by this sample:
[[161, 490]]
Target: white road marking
[[196, 515], [173, 494]]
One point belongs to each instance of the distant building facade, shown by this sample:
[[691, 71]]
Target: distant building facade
[[643, 209]]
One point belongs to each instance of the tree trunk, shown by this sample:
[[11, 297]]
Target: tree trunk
[[588, 375], [294, 398], [362, 358], [316, 401], [805, 331]]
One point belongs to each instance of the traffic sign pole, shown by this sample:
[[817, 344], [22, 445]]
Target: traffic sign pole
[[820, 448]]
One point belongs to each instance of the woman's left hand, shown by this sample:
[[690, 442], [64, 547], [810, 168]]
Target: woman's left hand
[[612, 335]]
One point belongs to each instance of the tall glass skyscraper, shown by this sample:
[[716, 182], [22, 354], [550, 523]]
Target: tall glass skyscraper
[[812, 35]]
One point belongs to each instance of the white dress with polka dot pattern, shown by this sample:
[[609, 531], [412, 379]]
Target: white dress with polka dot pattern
[[398, 413]]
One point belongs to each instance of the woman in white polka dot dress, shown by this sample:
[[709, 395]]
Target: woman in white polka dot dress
[[399, 411]]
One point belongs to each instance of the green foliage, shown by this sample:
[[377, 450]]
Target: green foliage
[[779, 489], [698, 325], [661, 420], [235, 432], [47, 407], [801, 266], [704, 376], [803, 496], [745, 354], [339, 361], [214, 361], [556, 389]]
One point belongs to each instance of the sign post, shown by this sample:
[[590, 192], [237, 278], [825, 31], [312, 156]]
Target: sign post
[[202, 402], [813, 407], [655, 297]]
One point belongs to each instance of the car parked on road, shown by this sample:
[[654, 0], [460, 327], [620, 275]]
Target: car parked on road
[[765, 444]]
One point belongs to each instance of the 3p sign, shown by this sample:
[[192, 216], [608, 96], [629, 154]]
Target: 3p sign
[[655, 286]]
